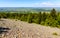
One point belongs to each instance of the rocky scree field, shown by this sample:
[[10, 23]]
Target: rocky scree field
[[11, 28]]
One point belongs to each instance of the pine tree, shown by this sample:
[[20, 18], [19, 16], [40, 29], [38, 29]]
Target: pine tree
[[53, 13], [39, 17], [29, 18], [44, 16]]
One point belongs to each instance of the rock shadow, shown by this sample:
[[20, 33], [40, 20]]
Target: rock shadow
[[4, 30]]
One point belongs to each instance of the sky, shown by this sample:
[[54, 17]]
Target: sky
[[29, 3]]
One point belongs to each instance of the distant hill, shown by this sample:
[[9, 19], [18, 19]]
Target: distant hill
[[37, 9]]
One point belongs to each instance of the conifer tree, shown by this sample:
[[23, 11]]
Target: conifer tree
[[53, 13], [39, 17]]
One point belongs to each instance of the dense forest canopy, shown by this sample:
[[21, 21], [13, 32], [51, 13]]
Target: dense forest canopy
[[47, 19]]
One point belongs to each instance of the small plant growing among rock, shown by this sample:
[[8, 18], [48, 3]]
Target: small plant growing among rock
[[16, 20], [55, 33]]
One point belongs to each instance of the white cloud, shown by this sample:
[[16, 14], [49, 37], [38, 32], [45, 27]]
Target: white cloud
[[47, 4], [39, 4]]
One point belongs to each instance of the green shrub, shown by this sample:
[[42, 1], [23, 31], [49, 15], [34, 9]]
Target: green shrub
[[42, 23], [55, 33], [51, 22]]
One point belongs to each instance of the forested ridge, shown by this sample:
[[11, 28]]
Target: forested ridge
[[47, 19]]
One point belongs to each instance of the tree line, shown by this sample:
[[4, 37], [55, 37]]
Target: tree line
[[47, 19]]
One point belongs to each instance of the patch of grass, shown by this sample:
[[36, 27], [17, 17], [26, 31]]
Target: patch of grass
[[55, 33], [16, 20]]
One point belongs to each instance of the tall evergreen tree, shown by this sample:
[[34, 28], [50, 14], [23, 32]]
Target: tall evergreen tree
[[39, 17], [29, 18], [53, 13], [44, 16]]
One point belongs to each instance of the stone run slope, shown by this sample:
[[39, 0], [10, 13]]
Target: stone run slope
[[10, 28]]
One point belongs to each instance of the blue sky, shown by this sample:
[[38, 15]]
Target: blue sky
[[29, 3]]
